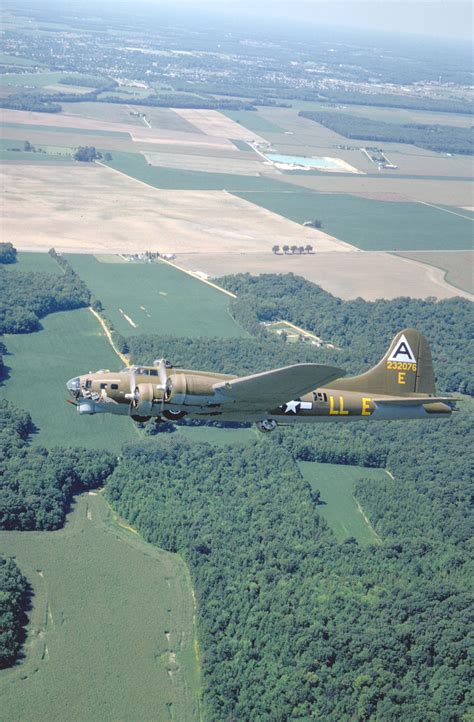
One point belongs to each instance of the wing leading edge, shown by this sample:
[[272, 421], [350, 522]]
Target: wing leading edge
[[273, 388]]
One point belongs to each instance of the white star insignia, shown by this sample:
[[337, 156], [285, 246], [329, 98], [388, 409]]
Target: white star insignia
[[291, 407]]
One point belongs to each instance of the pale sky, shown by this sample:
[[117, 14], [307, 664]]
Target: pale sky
[[444, 18]]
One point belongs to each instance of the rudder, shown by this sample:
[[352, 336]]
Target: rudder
[[406, 368]]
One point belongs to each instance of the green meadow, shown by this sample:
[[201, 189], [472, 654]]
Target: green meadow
[[156, 298], [12, 150], [111, 632], [35, 262], [339, 506], [60, 129], [252, 120], [135, 165], [40, 364], [373, 225]]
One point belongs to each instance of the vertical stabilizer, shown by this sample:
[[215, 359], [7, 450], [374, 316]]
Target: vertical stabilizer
[[406, 368]]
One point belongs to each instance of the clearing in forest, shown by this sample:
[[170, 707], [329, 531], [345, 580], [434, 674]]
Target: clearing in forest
[[339, 507], [111, 633]]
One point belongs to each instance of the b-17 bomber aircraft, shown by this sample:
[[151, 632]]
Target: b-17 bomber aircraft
[[400, 386]]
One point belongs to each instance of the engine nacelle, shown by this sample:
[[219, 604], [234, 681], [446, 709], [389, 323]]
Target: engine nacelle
[[145, 396], [191, 389]]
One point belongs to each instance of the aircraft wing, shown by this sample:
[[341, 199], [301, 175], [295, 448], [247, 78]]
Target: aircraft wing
[[272, 388]]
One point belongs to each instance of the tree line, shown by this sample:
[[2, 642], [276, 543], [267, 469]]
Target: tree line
[[13, 593], [441, 138]]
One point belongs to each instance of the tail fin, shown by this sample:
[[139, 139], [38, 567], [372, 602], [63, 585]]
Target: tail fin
[[406, 368]]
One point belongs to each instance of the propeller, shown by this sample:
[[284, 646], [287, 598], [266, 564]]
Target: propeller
[[165, 382], [165, 386]]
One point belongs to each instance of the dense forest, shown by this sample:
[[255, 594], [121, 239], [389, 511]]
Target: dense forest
[[441, 138], [13, 592], [293, 625]]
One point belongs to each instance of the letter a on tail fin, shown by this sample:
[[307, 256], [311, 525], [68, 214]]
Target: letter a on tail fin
[[405, 369]]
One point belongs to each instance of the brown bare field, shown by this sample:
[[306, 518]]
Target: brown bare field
[[450, 193], [138, 133], [458, 265], [209, 164], [94, 209], [370, 275], [213, 123], [108, 112]]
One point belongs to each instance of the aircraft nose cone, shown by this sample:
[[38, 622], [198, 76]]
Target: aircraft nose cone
[[74, 385]]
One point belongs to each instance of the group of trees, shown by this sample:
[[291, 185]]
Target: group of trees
[[443, 138], [87, 154], [13, 593], [294, 249], [7, 253]]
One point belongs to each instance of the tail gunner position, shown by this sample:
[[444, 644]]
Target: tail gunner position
[[400, 386]]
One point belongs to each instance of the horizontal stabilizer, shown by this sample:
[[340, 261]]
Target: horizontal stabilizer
[[415, 401], [273, 388]]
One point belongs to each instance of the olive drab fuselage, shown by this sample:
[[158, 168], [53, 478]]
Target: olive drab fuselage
[[400, 386]]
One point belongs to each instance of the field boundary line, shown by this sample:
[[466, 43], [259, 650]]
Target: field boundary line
[[367, 521], [106, 330], [193, 274], [129, 177], [440, 208]]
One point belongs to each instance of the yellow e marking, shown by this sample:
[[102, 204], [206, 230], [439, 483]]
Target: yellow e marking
[[401, 377], [341, 411], [366, 406]]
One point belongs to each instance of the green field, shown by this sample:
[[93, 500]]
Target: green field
[[31, 80], [340, 509], [35, 262], [71, 343], [373, 225], [111, 632], [26, 127], [135, 165], [253, 120], [11, 150], [157, 298], [458, 265], [6, 59]]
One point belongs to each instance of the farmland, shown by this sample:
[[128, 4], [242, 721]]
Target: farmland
[[90, 208], [111, 633], [374, 225], [339, 507], [156, 298], [458, 266], [35, 262], [347, 275], [40, 363]]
